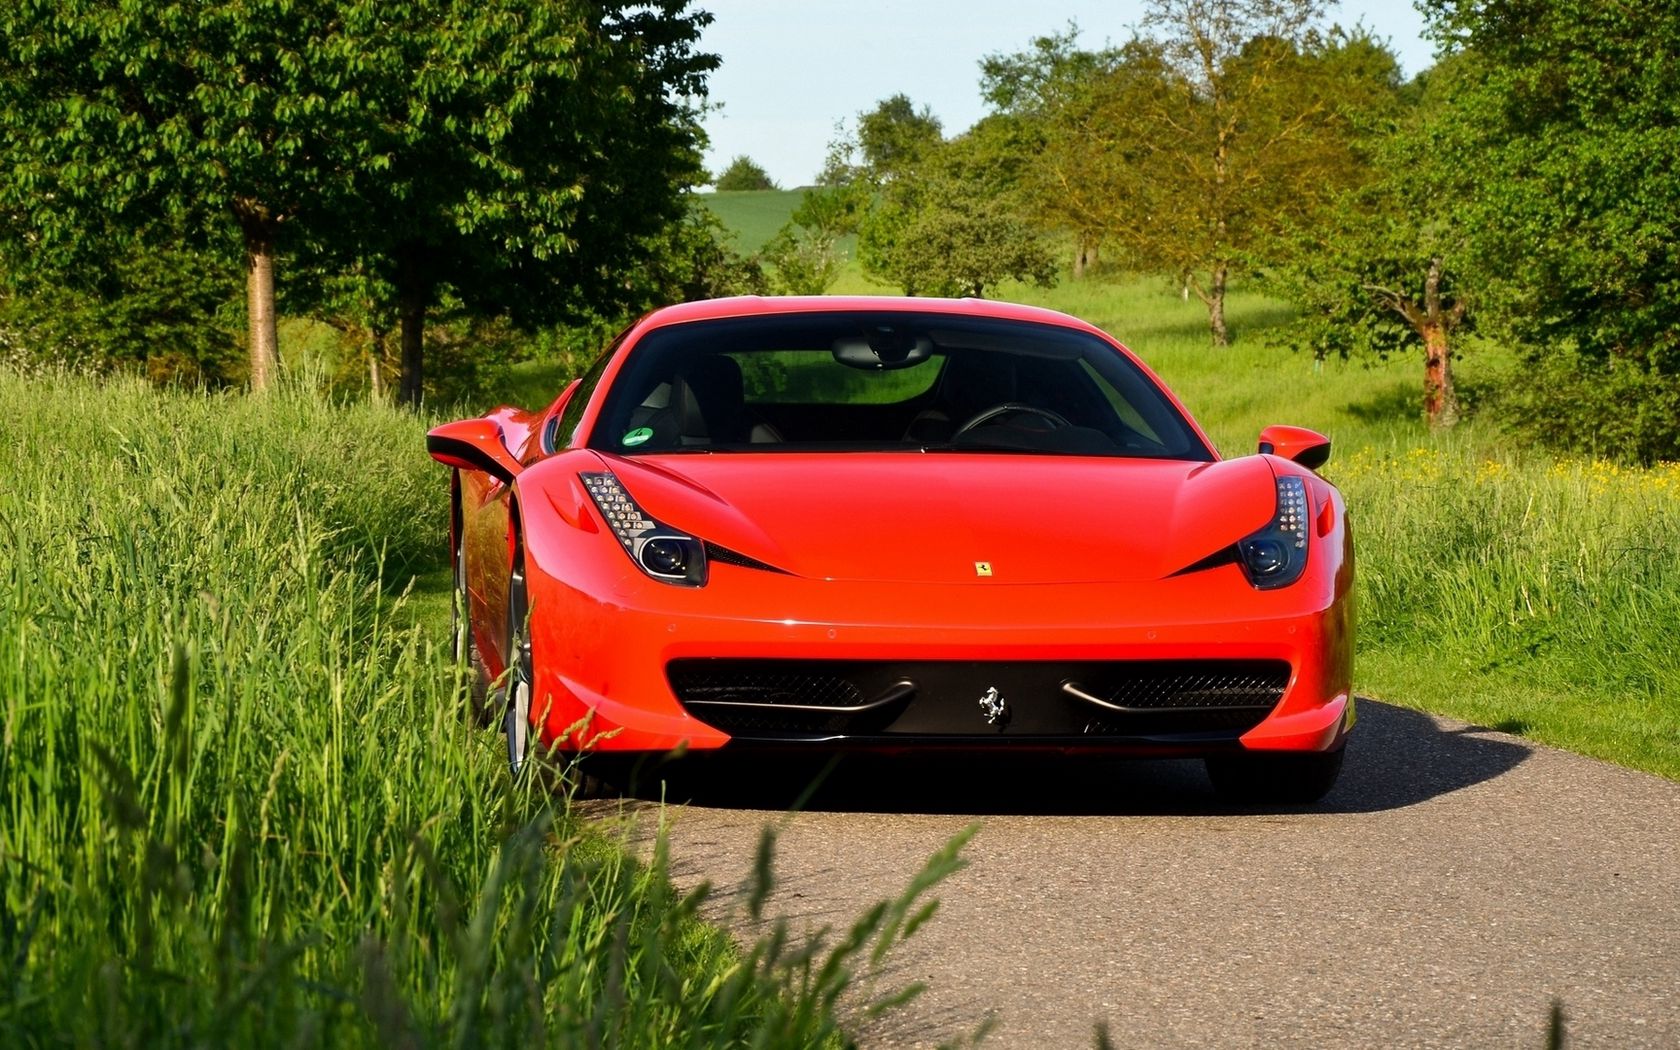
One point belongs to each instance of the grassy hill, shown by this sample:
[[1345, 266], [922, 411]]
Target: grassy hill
[[753, 216]]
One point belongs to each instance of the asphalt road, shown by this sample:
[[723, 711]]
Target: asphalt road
[[1455, 883]]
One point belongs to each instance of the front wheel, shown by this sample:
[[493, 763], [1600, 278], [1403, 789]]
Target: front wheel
[[516, 716], [465, 648], [1293, 777]]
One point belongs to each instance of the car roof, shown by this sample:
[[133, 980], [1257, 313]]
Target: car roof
[[769, 305]]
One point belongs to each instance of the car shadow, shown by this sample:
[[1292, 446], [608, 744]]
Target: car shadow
[[1396, 758]]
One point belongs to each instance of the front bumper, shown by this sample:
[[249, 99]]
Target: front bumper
[[603, 681]]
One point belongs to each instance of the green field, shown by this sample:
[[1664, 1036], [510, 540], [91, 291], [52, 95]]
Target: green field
[[752, 217]]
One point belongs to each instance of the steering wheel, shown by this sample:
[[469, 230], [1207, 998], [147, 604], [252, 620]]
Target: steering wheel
[[1010, 408]]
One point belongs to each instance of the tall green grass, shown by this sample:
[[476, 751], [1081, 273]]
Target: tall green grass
[[1532, 594], [238, 803]]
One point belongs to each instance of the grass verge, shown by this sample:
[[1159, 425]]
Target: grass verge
[[238, 805]]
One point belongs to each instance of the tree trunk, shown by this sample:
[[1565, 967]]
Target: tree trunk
[[1084, 255], [1440, 401], [411, 309], [1216, 306], [376, 362], [259, 302]]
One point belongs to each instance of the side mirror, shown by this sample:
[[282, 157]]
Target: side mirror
[[1306, 447], [473, 444]]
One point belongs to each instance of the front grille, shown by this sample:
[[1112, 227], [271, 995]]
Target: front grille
[[1136, 699], [764, 682], [1198, 684]]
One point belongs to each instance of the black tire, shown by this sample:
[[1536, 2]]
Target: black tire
[[1295, 778], [464, 647], [516, 690]]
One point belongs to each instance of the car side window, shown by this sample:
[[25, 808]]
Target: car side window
[[562, 430]]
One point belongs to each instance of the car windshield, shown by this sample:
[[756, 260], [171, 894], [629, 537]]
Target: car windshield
[[860, 380]]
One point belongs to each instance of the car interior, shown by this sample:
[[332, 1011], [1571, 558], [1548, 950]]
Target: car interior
[[893, 387]]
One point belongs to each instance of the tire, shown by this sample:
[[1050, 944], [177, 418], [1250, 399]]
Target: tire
[[463, 646], [1291, 777], [516, 712]]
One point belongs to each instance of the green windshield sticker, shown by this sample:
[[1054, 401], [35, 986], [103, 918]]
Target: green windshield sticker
[[637, 436]]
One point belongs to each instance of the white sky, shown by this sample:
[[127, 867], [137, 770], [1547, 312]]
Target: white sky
[[792, 68]]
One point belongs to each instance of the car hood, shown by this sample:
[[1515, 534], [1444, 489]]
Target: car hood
[[948, 517]]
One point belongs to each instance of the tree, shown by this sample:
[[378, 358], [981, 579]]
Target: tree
[[512, 151], [953, 225], [803, 260], [539, 153], [1573, 116], [122, 119], [1385, 266], [1201, 143], [743, 173], [895, 135], [1051, 93]]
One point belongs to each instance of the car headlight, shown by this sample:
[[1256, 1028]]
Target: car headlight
[[1277, 554], [668, 555]]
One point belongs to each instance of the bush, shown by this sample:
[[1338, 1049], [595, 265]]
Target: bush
[[1626, 409], [743, 173]]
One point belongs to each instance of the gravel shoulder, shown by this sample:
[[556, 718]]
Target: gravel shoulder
[[1455, 883]]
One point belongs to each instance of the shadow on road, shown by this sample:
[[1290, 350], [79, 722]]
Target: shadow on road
[[1396, 758]]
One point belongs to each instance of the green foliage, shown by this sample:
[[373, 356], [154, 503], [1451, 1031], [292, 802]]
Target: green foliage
[[743, 173], [1188, 149], [1620, 409], [954, 224], [691, 260], [803, 261], [804, 254], [1052, 94], [1573, 118], [1358, 261], [1380, 267], [517, 155], [169, 312], [832, 210], [894, 136], [936, 235], [242, 806]]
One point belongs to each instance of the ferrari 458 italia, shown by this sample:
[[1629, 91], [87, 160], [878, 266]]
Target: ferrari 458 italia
[[899, 525]]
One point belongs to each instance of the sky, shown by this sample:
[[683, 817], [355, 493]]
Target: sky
[[793, 68]]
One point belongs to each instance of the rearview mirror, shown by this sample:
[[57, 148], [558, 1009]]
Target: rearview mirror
[[883, 347], [1306, 447], [473, 444]]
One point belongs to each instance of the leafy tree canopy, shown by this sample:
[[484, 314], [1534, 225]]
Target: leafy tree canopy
[[1576, 113], [953, 224], [743, 173], [520, 153], [895, 135], [1572, 123], [1383, 266]]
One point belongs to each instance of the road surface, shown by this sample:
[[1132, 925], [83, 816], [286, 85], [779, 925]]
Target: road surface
[[1455, 883]]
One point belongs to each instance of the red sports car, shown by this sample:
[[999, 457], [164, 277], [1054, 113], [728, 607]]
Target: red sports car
[[895, 525]]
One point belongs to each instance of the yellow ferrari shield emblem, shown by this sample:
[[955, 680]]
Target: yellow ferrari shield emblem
[[982, 568]]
